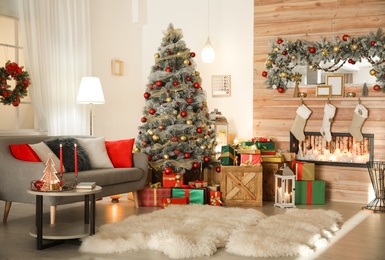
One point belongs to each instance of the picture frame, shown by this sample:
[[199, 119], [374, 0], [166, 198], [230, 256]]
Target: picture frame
[[323, 91], [117, 67], [221, 85], [337, 83]]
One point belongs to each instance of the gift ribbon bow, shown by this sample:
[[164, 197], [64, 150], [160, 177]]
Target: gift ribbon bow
[[214, 200], [248, 163], [155, 185]]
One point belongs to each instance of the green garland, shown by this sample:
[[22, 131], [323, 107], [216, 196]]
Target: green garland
[[9, 72], [285, 55]]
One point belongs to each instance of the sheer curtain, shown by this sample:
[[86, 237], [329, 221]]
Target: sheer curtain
[[56, 41]]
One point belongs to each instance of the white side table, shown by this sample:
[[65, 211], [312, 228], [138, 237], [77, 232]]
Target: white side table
[[61, 232]]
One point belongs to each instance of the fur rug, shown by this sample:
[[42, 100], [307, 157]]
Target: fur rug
[[181, 231]]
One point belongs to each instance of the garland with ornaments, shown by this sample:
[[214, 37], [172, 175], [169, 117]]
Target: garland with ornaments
[[285, 55], [12, 71]]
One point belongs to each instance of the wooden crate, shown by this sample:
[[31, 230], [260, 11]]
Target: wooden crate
[[241, 185]]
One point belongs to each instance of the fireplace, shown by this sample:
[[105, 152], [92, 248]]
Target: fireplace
[[342, 150]]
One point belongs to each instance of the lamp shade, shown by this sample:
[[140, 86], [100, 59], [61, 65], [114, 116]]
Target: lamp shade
[[90, 91], [208, 53]]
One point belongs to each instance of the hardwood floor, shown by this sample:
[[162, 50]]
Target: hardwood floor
[[362, 235]]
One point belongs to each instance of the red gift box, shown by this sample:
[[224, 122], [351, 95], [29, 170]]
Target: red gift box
[[215, 198], [153, 197], [172, 180], [250, 159], [169, 201]]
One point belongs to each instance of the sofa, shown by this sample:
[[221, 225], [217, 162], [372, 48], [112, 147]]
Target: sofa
[[17, 173]]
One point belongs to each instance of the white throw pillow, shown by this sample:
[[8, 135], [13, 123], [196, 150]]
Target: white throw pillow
[[42, 150], [96, 151]]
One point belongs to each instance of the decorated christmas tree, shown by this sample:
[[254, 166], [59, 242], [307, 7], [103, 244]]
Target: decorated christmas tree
[[176, 133]]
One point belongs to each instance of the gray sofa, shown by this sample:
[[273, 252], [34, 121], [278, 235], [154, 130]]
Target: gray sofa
[[16, 175]]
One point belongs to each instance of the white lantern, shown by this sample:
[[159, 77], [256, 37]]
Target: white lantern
[[285, 188]]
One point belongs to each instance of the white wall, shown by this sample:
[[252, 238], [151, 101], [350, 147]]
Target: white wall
[[116, 36]]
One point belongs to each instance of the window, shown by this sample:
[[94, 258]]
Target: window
[[21, 118]]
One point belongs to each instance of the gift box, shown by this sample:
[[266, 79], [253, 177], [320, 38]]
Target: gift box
[[304, 171], [310, 192], [247, 143], [250, 159], [197, 184], [172, 180], [173, 201], [267, 148], [153, 197], [193, 195], [215, 198], [272, 158], [227, 155]]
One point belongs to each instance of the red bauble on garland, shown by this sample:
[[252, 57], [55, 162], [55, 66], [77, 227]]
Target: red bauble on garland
[[175, 83], [183, 114], [206, 159], [312, 49], [174, 138], [187, 155], [345, 37], [147, 95], [372, 43], [195, 165], [188, 78], [197, 85], [151, 111], [159, 83], [279, 41], [377, 87], [168, 170], [151, 86], [218, 169], [149, 157], [284, 53], [189, 100], [199, 130], [168, 69], [192, 54], [264, 73], [176, 151], [143, 119], [280, 90]]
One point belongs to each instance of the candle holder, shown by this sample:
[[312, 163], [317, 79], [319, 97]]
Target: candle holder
[[285, 188]]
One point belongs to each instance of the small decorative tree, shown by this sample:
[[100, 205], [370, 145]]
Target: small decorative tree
[[50, 179], [176, 133]]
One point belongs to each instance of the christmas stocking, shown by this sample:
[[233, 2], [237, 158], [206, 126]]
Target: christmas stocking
[[329, 112], [298, 126], [359, 117]]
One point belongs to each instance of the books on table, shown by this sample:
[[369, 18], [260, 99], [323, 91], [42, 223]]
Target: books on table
[[86, 185]]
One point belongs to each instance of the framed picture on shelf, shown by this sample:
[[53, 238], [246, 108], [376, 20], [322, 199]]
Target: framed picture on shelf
[[221, 85], [323, 91], [337, 83]]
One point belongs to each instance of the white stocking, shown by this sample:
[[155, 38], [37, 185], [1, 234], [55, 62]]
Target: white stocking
[[329, 112], [298, 126], [359, 117]]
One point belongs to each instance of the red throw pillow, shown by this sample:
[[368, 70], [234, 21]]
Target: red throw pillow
[[24, 152], [120, 152]]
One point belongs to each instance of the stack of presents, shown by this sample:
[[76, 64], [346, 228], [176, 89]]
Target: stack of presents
[[173, 189]]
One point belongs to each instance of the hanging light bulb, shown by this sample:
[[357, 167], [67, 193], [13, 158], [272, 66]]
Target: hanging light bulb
[[208, 53]]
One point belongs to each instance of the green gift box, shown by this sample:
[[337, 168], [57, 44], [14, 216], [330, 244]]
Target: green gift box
[[247, 143], [193, 195], [266, 146], [310, 192], [227, 155]]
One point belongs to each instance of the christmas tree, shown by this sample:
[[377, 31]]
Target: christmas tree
[[49, 179], [176, 133]]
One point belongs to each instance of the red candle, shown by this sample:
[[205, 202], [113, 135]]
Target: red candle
[[61, 159], [76, 160]]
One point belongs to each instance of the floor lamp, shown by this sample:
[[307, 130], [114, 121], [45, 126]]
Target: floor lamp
[[90, 92]]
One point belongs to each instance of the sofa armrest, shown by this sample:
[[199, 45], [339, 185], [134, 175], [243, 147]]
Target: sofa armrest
[[140, 160]]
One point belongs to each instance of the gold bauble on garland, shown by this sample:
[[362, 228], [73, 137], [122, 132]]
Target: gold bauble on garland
[[168, 99], [150, 132], [283, 74], [166, 156], [155, 137], [156, 55], [354, 47], [336, 49], [373, 72], [183, 138], [186, 61], [136, 150], [189, 122]]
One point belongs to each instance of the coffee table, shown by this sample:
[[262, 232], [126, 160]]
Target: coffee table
[[59, 232]]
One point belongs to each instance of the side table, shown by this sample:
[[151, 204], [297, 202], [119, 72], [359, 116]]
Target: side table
[[60, 232]]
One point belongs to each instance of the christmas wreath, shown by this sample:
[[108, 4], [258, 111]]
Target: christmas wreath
[[12, 71], [285, 55]]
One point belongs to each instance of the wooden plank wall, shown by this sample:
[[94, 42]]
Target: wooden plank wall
[[274, 113]]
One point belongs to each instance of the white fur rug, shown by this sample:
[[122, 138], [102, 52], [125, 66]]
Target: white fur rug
[[185, 231]]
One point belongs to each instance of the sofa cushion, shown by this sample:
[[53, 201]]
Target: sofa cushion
[[110, 176], [120, 152], [43, 151], [96, 150], [68, 148], [24, 152]]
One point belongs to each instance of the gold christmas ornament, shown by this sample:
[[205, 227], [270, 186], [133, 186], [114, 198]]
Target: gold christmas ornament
[[204, 126], [166, 156], [336, 49], [136, 150], [203, 147], [168, 99], [325, 52], [275, 49], [155, 137], [293, 57], [283, 74], [209, 146], [150, 132], [354, 47], [186, 61], [179, 53], [197, 73], [373, 72], [269, 62], [183, 138], [175, 112], [156, 55], [189, 122]]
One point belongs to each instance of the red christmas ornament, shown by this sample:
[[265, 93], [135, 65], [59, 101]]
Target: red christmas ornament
[[218, 169], [149, 157], [143, 119], [7, 93], [264, 74], [372, 43], [197, 85], [144, 143], [38, 184], [169, 52], [188, 78], [175, 83], [146, 95], [345, 37], [187, 155], [284, 53], [176, 151], [168, 170], [151, 86], [311, 49], [174, 138], [377, 87], [192, 54], [151, 111], [189, 100], [279, 41], [161, 127], [206, 159], [159, 83], [280, 90], [183, 113], [351, 61], [168, 69], [199, 130], [195, 165]]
